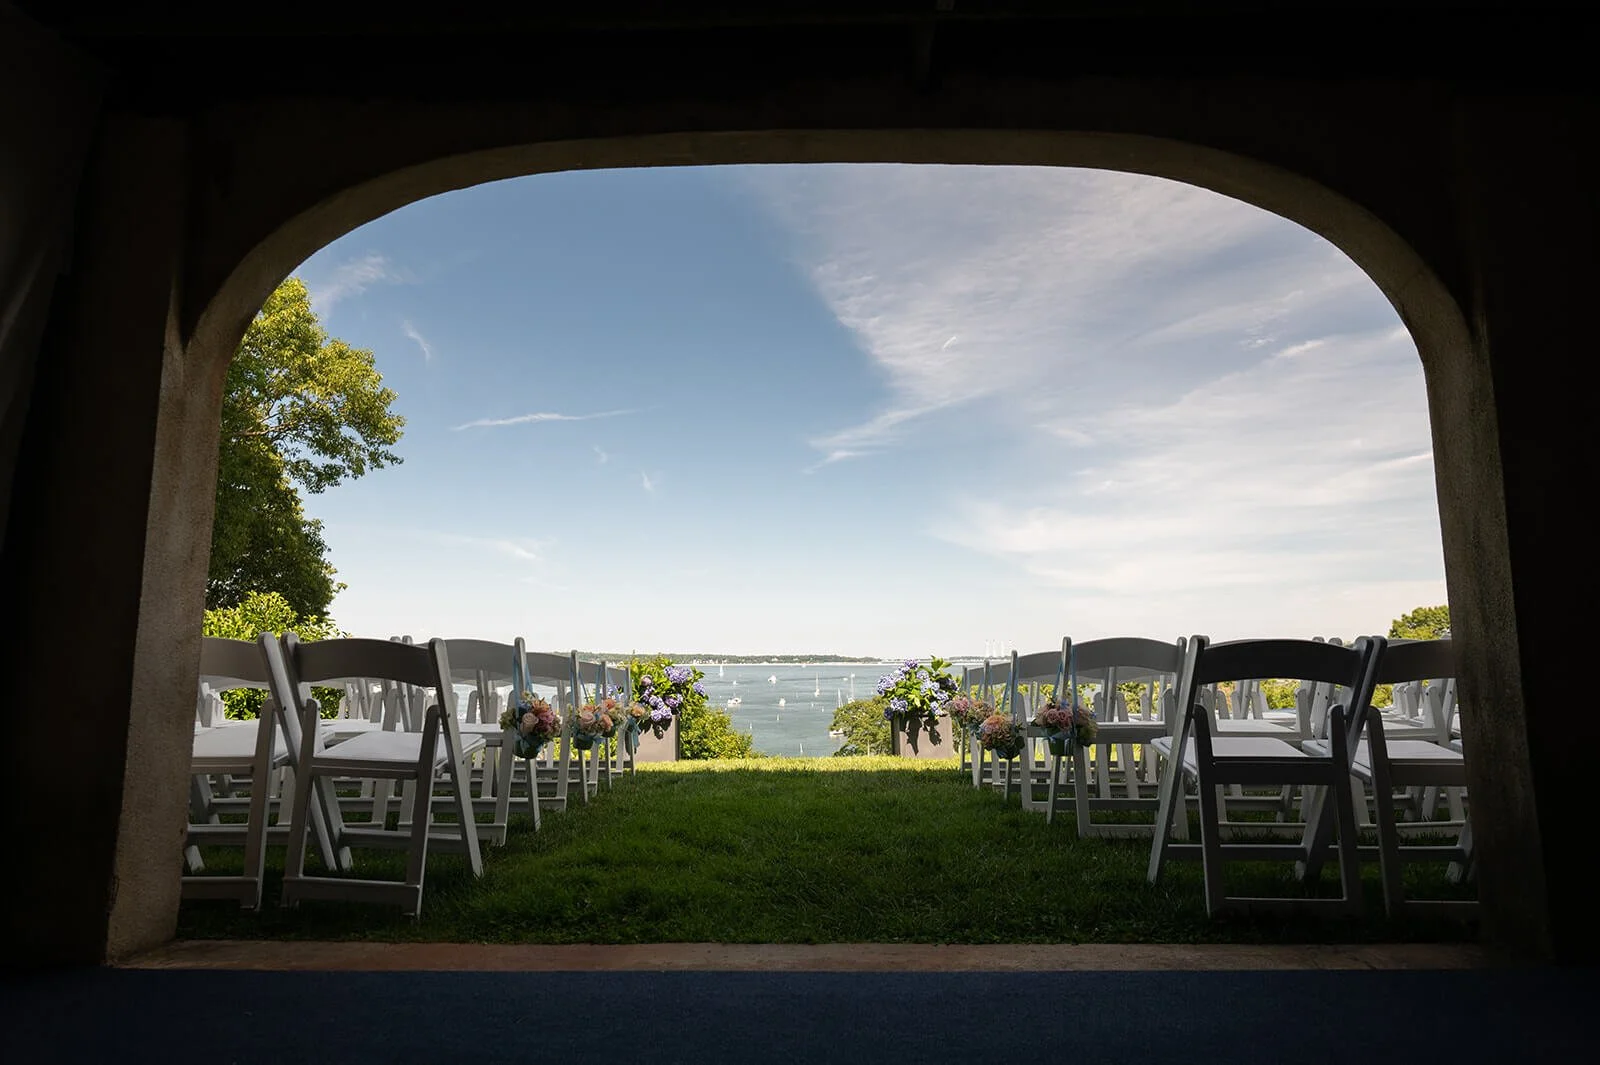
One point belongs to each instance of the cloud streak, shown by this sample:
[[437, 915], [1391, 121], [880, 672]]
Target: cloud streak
[[537, 417], [963, 285], [353, 277], [422, 342]]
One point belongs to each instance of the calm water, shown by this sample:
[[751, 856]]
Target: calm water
[[808, 693], [786, 708]]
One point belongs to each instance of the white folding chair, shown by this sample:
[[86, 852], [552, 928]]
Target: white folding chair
[[1213, 762], [1386, 764], [436, 755], [251, 751], [996, 678], [487, 665], [1025, 694], [1109, 663], [550, 774]]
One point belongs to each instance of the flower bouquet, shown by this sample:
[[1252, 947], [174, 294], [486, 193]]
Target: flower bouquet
[[593, 723], [968, 713], [1066, 727], [533, 721], [1003, 736], [664, 690], [917, 693]]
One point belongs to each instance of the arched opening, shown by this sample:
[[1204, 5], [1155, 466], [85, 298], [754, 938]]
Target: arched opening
[[1465, 452]]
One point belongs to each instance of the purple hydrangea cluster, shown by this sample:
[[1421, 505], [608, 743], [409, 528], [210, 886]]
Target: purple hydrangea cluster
[[679, 674]]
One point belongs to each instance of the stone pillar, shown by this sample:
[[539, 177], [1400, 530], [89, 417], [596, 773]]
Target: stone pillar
[[1521, 586], [104, 566]]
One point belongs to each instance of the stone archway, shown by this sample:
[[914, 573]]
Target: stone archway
[[186, 225]]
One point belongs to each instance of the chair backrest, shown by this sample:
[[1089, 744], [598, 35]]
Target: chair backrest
[[1029, 673], [1433, 661], [1124, 660], [1353, 668], [543, 669], [226, 665], [418, 668], [487, 665]]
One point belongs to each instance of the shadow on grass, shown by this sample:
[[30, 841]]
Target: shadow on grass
[[810, 851]]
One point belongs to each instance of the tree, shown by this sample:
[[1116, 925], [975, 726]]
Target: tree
[[260, 612], [1423, 623], [301, 410], [866, 730]]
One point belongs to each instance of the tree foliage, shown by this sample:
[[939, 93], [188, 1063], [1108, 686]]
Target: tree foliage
[[301, 411], [1423, 623], [866, 730], [260, 612]]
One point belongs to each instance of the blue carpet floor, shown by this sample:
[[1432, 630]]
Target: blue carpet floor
[[1242, 1018]]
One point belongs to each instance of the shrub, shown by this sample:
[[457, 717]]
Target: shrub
[[866, 730], [268, 612]]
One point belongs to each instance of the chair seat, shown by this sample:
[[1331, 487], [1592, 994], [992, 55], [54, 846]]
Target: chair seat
[[1254, 726], [339, 729], [387, 751], [233, 745], [489, 731], [1399, 751], [1232, 747], [1128, 731]]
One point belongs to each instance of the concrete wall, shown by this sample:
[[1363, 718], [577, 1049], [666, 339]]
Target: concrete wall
[[1470, 212]]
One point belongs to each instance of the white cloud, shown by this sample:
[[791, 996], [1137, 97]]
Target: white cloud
[[600, 453], [422, 342], [971, 284], [1251, 503], [539, 416], [353, 277], [647, 483]]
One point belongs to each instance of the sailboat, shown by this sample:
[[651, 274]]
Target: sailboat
[[719, 669], [818, 685], [772, 679]]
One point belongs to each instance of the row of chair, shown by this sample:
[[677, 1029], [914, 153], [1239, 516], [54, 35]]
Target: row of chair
[[1309, 768], [398, 726]]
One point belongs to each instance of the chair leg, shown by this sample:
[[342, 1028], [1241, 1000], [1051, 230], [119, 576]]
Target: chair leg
[[1170, 783], [1080, 791], [1344, 806], [505, 762], [417, 854], [1211, 847]]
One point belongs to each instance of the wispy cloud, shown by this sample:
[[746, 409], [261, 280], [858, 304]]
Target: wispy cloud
[[1029, 285], [601, 455], [647, 482], [520, 549], [353, 277], [539, 416], [422, 342], [1247, 504]]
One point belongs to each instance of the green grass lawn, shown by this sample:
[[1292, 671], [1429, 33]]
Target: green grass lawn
[[806, 851]]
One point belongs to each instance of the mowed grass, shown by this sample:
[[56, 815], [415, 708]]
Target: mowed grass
[[808, 851]]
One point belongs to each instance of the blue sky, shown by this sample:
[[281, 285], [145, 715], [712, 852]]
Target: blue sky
[[897, 410]]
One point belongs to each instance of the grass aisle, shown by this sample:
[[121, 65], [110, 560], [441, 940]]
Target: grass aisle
[[804, 851]]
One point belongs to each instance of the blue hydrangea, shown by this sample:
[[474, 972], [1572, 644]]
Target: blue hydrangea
[[674, 701], [699, 689], [679, 674], [898, 705], [655, 701], [887, 681], [646, 681], [660, 716]]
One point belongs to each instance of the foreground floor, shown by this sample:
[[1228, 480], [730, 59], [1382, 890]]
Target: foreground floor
[[1241, 1018], [822, 850]]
